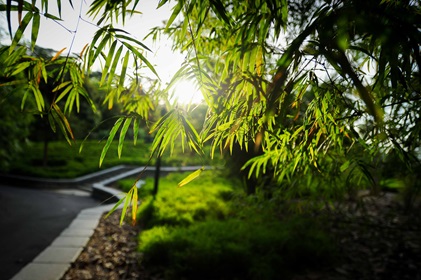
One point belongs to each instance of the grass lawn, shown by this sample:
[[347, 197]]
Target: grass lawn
[[208, 229], [65, 161]]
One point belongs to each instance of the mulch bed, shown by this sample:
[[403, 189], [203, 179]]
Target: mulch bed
[[110, 254]]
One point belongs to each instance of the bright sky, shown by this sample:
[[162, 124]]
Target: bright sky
[[58, 36]]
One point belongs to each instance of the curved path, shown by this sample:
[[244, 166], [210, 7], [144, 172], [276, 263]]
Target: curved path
[[30, 219]]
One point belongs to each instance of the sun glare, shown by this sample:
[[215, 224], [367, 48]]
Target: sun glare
[[186, 92]]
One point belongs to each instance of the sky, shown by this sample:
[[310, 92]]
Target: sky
[[81, 31]]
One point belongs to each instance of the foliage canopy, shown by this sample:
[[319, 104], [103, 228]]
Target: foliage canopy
[[326, 88]]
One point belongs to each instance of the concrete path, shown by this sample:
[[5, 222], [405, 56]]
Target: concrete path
[[55, 260], [29, 220]]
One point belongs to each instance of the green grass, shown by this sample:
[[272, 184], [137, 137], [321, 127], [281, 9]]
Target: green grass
[[65, 161], [181, 206], [236, 249], [209, 229]]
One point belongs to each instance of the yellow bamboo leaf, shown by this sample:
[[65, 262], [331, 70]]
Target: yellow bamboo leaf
[[191, 177]]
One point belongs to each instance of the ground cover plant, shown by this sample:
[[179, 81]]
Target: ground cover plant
[[208, 229]]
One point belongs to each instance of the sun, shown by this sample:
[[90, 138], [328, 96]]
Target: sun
[[186, 92]]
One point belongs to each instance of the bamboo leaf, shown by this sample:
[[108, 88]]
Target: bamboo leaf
[[176, 11], [123, 132], [134, 204], [35, 30], [124, 69], [128, 38], [110, 57], [93, 56], [135, 130], [110, 139], [116, 206], [39, 100], [345, 166], [63, 123], [126, 204], [19, 32], [58, 54], [20, 67], [219, 9], [191, 177], [141, 57], [65, 91], [114, 66], [53, 17]]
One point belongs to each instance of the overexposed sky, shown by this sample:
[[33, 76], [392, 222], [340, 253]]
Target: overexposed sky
[[78, 28], [53, 35]]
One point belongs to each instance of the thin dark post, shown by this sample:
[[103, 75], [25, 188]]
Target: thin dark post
[[157, 173]]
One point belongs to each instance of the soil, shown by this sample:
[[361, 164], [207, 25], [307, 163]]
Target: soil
[[376, 242]]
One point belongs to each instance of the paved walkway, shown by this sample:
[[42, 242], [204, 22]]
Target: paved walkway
[[30, 219], [54, 261], [56, 258]]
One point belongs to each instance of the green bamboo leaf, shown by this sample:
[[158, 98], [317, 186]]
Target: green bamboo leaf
[[110, 57], [43, 70], [116, 206], [141, 57], [20, 67], [110, 139], [71, 99], [162, 3], [191, 177], [19, 32], [124, 69], [136, 124], [39, 100], [25, 96], [114, 66], [123, 135], [176, 11], [82, 91], [53, 17], [96, 51], [297, 131], [161, 121], [35, 30], [126, 205], [63, 123], [62, 85], [65, 91], [52, 123], [128, 38], [13, 83], [77, 93], [345, 166], [59, 7], [219, 9]]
